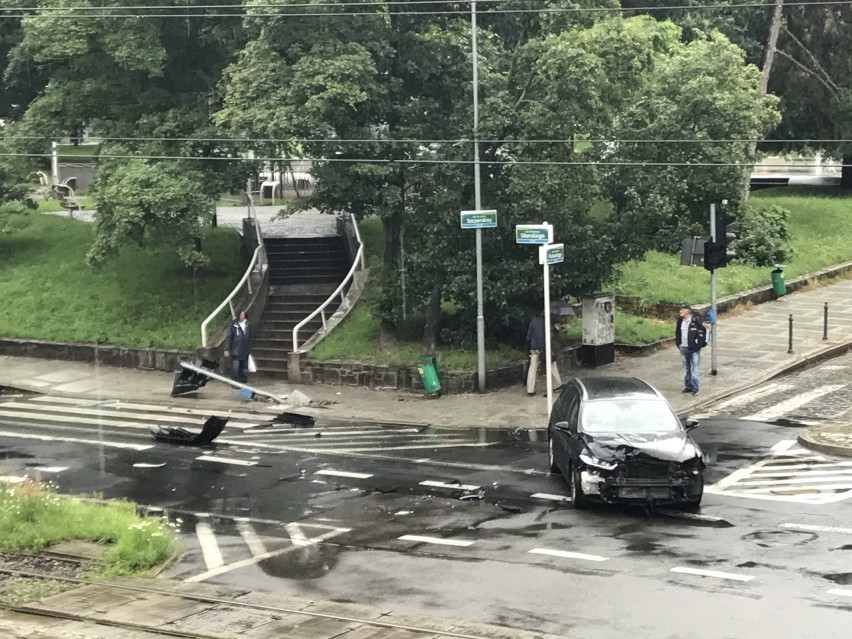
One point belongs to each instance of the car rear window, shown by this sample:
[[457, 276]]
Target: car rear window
[[628, 416]]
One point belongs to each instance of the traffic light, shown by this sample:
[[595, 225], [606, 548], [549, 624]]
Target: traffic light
[[714, 255], [724, 238]]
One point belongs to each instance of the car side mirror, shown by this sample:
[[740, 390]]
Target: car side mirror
[[565, 427], [691, 423]]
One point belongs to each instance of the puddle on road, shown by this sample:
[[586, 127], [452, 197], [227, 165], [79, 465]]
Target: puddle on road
[[310, 562]]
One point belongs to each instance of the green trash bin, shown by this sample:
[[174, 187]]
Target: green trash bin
[[428, 370], [778, 285]]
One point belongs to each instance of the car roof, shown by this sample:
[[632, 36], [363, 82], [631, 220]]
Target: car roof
[[594, 388]]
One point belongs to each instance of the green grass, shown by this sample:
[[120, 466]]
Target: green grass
[[32, 517], [629, 329], [53, 206], [142, 298], [820, 228]]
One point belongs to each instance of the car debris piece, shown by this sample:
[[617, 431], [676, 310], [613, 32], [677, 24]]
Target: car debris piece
[[302, 421], [147, 465], [509, 508], [212, 427], [467, 495], [188, 381]]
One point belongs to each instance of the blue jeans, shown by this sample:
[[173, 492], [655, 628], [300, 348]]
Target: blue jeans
[[691, 365], [240, 367]]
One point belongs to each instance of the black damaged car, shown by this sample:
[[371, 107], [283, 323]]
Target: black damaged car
[[617, 439]]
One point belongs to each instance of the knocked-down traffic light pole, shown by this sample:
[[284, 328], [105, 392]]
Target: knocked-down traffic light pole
[[717, 255]]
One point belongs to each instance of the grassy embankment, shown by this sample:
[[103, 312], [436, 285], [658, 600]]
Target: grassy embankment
[[142, 298], [820, 228], [33, 516]]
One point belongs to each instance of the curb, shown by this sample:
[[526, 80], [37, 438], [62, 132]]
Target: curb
[[806, 441]]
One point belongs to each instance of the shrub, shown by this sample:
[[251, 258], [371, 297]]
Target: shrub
[[762, 235]]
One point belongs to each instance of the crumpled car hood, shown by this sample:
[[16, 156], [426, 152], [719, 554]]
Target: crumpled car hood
[[670, 447]]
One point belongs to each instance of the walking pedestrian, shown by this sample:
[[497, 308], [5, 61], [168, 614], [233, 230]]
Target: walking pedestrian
[[690, 338], [536, 349], [238, 346]]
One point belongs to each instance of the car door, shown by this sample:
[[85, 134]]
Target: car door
[[569, 405], [573, 444]]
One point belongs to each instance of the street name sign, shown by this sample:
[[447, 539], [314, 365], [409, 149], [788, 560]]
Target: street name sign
[[486, 219], [551, 254], [533, 233]]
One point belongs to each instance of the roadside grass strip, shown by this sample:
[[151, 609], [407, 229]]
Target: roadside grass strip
[[712, 573], [567, 554], [436, 540]]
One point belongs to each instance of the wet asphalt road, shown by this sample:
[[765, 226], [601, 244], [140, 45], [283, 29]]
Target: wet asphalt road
[[346, 516]]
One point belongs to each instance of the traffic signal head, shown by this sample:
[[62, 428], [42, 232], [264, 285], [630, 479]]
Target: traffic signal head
[[723, 238], [714, 255]]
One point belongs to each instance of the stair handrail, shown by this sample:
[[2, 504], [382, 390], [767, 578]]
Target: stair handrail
[[258, 259], [357, 264]]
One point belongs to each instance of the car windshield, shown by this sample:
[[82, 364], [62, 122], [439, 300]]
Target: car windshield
[[629, 416]]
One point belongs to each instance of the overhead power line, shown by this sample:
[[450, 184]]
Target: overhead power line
[[233, 11], [637, 164], [98, 140]]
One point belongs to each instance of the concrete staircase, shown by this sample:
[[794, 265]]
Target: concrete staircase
[[303, 272]]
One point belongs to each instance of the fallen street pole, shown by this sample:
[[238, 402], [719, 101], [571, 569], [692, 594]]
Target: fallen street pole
[[231, 382]]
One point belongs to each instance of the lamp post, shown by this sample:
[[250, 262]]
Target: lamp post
[[480, 315]]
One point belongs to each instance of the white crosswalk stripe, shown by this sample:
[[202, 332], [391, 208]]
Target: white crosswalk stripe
[[791, 474], [70, 419]]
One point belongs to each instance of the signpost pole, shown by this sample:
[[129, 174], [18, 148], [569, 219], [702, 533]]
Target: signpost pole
[[480, 315], [715, 326], [548, 373]]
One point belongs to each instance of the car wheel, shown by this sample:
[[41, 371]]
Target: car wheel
[[694, 503], [578, 499], [551, 456]]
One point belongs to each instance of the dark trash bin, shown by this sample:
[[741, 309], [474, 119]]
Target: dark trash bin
[[428, 369], [779, 287]]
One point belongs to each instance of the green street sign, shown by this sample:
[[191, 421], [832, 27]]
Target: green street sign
[[479, 219], [551, 254], [533, 233]]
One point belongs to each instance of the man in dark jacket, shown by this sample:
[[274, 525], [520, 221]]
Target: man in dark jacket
[[690, 337], [535, 348], [238, 346]]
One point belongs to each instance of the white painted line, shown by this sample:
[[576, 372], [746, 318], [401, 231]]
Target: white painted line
[[441, 484], [343, 473], [12, 479], [174, 410], [818, 475], [769, 468], [383, 448], [254, 560], [808, 528], [296, 535], [550, 497], [774, 412], [840, 592], [74, 440], [712, 573], [226, 460], [436, 540], [147, 465], [679, 514], [567, 554], [48, 469], [209, 546], [253, 541], [783, 446], [814, 477], [769, 389]]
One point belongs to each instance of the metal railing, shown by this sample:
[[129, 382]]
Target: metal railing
[[258, 263], [357, 264]]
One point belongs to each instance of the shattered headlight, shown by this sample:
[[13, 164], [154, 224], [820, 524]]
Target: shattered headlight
[[594, 462]]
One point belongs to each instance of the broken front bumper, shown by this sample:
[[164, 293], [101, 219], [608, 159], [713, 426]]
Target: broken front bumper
[[611, 488]]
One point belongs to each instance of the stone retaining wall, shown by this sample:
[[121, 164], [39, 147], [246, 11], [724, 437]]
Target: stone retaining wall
[[125, 357]]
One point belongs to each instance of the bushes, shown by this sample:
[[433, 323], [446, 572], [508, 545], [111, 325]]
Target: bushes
[[762, 235]]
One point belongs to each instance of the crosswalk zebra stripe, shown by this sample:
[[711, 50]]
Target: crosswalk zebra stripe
[[253, 541], [745, 398], [151, 408], [75, 440], [209, 546], [20, 409], [782, 408], [802, 473]]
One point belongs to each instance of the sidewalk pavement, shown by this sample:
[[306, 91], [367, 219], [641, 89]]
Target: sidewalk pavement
[[752, 347]]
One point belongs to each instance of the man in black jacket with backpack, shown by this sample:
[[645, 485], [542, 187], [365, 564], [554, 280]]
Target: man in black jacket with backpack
[[690, 337]]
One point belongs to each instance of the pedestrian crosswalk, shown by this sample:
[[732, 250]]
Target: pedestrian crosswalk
[[790, 473], [123, 424]]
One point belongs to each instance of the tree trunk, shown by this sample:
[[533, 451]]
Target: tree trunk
[[766, 71], [433, 314], [846, 173], [392, 225]]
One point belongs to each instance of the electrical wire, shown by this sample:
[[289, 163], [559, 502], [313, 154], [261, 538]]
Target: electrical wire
[[437, 161], [439, 141], [247, 11]]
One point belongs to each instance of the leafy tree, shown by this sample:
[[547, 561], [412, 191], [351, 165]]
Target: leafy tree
[[762, 235]]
